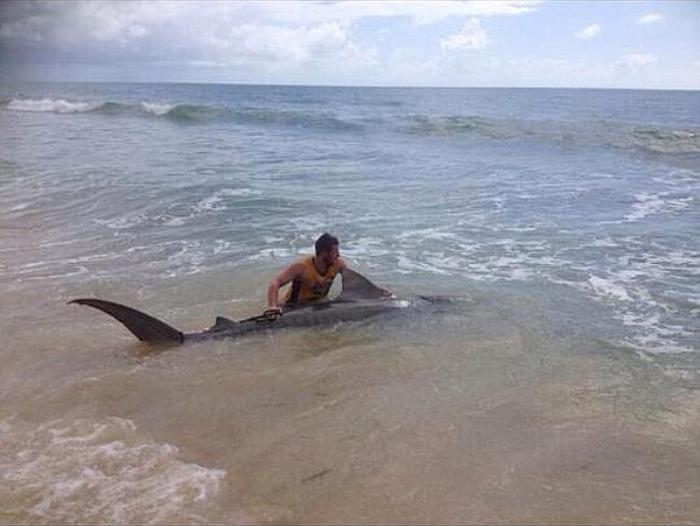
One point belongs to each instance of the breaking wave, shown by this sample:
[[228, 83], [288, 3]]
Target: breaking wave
[[291, 118], [457, 125], [185, 113], [49, 105], [654, 140]]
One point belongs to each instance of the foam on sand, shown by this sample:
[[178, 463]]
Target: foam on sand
[[97, 471]]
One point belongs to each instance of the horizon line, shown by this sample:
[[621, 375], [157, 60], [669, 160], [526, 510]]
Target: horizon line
[[303, 85]]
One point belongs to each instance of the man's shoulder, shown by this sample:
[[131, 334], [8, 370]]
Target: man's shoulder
[[300, 262]]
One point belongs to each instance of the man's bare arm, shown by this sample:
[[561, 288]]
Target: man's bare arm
[[281, 279]]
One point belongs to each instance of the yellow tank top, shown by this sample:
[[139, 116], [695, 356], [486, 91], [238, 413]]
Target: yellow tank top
[[310, 285]]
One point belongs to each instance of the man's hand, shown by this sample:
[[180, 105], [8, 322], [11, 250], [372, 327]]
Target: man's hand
[[273, 313], [387, 293]]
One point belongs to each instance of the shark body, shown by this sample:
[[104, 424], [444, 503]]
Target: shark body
[[359, 300]]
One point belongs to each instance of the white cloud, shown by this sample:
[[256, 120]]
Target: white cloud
[[421, 12], [649, 18], [588, 32], [275, 43], [65, 20], [636, 60], [472, 36], [227, 32]]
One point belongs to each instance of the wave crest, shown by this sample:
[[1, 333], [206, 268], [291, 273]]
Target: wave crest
[[651, 139], [656, 140], [188, 113], [455, 124], [664, 140], [50, 105]]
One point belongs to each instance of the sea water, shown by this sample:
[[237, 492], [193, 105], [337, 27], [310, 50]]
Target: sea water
[[559, 385]]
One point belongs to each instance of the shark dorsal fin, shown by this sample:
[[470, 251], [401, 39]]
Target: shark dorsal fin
[[221, 324], [356, 286]]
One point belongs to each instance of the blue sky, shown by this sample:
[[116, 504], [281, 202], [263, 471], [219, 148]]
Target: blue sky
[[521, 43]]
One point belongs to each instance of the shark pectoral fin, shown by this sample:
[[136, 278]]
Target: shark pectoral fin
[[146, 328]]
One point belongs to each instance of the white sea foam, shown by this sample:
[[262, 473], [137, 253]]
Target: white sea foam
[[650, 315], [123, 222], [520, 228], [157, 109], [221, 246], [57, 271], [678, 263], [175, 221], [512, 260], [99, 471], [605, 242], [652, 333], [409, 266], [273, 253], [188, 260], [445, 262], [308, 223], [512, 267], [216, 202], [687, 261], [656, 203], [50, 106], [609, 288], [426, 233], [365, 247], [654, 336]]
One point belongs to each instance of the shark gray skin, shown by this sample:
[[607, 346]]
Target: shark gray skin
[[359, 300]]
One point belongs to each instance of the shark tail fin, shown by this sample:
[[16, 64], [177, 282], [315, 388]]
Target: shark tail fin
[[146, 328]]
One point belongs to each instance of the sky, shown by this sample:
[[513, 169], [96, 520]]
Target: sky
[[508, 43]]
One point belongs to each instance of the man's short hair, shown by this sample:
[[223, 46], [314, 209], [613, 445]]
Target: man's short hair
[[325, 242]]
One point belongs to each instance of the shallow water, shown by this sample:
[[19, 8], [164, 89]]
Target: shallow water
[[560, 385]]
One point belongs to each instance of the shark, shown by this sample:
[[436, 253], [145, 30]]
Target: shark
[[360, 299]]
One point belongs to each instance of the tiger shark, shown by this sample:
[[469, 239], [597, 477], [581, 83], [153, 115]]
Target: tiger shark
[[360, 299]]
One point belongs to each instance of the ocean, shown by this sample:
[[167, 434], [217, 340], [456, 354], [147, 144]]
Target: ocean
[[560, 385]]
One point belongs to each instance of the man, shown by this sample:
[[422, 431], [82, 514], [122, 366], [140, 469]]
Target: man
[[311, 276]]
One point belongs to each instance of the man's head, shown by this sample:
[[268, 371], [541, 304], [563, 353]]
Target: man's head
[[327, 248]]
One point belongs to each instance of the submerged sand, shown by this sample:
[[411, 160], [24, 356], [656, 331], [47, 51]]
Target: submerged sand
[[493, 410]]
